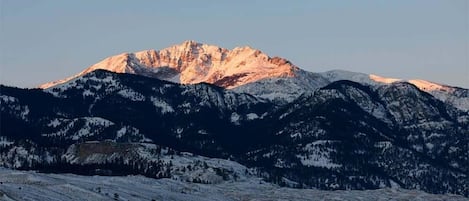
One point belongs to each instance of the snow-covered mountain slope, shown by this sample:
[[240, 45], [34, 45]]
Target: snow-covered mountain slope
[[284, 89], [336, 75], [455, 96], [354, 136], [314, 124], [287, 89], [28, 185], [101, 102], [192, 62]]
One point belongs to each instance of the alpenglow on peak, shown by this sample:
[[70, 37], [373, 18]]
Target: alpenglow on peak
[[191, 62]]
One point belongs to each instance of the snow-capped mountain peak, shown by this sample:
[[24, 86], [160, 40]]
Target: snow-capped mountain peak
[[191, 62]]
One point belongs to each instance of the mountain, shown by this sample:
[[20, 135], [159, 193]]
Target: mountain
[[202, 114], [345, 135], [247, 70], [192, 62]]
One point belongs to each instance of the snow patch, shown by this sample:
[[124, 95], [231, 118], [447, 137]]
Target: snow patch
[[131, 94], [235, 118], [54, 123], [317, 154], [162, 105], [5, 142], [252, 116], [91, 126], [87, 92]]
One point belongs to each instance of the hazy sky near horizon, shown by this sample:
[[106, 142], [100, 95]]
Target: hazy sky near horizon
[[42, 41]]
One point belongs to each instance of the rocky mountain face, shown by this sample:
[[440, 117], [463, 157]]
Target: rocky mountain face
[[192, 62], [339, 135]]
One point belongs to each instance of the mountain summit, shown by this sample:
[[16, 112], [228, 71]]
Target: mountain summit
[[191, 62]]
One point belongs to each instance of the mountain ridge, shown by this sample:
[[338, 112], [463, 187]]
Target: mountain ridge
[[181, 56], [248, 70]]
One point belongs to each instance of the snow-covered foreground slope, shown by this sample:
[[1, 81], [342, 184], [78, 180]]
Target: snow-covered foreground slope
[[20, 185]]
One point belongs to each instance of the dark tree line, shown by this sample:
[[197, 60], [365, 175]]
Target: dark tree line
[[117, 167]]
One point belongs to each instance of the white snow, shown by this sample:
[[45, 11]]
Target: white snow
[[75, 83], [235, 118], [88, 92], [28, 185], [91, 122], [369, 105], [18, 155], [252, 116], [384, 145], [126, 130], [202, 132], [427, 85], [446, 94], [317, 160], [439, 91], [284, 89], [8, 99], [429, 145], [92, 126], [131, 94], [317, 155], [163, 106], [54, 123], [12, 105], [24, 113], [336, 75], [5, 142]]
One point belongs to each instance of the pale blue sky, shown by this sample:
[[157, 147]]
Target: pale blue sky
[[46, 40]]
